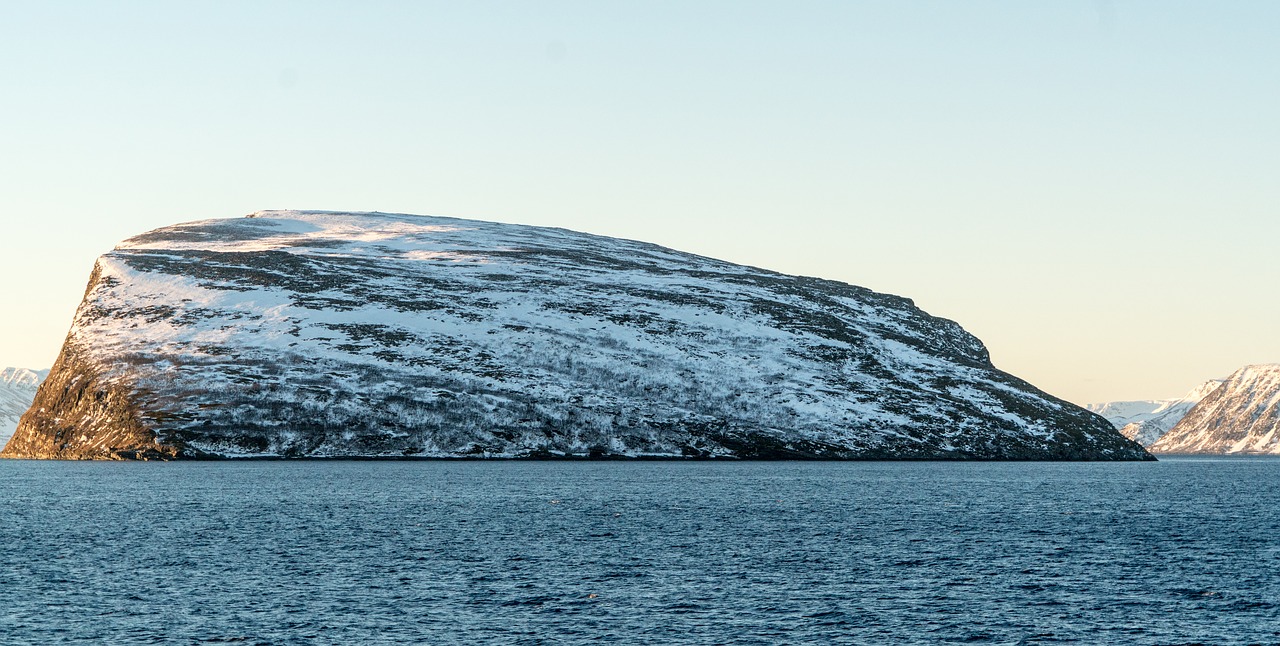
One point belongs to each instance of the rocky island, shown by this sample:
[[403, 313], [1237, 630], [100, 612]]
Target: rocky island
[[323, 334]]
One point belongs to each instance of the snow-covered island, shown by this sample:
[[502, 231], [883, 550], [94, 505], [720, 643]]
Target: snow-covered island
[[322, 334]]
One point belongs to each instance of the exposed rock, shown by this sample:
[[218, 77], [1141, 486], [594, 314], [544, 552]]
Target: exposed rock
[[315, 334]]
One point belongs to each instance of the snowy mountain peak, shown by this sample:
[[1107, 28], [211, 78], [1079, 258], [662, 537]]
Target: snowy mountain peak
[[1200, 392], [22, 377], [320, 333], [17, 390]]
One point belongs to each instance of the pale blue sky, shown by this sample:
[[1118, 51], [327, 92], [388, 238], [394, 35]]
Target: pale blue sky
[[1089, 187]]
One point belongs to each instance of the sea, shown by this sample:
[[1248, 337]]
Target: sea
[[1180, 551]]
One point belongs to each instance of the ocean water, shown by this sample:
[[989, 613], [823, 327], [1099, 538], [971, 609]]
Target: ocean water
[[1176, 552]]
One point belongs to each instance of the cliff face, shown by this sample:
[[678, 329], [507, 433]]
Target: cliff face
[[1240, 416], [334, 334], [77, 414]]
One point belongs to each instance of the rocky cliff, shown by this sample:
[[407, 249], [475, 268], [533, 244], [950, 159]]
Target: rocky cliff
[[318, 334], [1240, 416]]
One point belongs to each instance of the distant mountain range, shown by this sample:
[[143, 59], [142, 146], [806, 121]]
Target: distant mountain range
[[17, 390], [323, 334], [1239, 414], [1146, 420]]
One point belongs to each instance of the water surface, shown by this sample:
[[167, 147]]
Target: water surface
[[1180, 551]]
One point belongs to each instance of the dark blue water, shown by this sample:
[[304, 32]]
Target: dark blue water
[[1174, 552]]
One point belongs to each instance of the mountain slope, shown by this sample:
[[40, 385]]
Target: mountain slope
[[334, 334], [1241, 416], [1147, 421], [17, 390]]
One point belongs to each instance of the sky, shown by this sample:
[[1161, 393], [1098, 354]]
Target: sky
[[1089, 187]]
